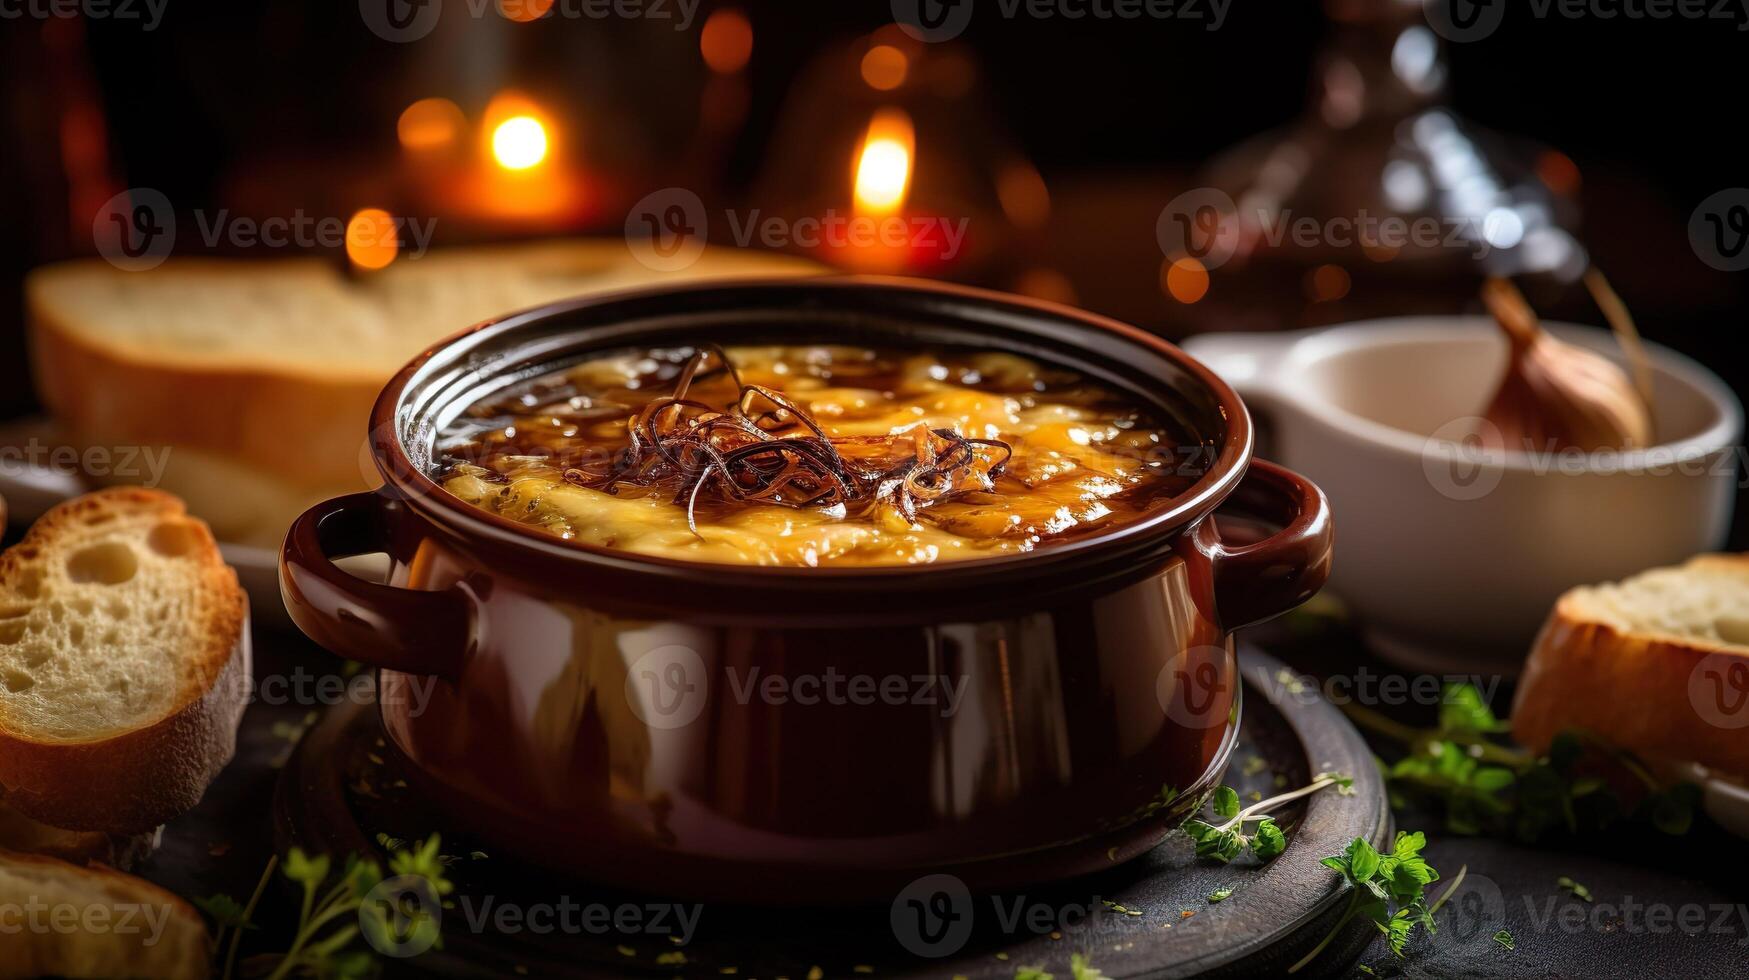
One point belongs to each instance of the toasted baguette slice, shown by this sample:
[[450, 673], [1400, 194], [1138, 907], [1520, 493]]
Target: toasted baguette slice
[[124, 663], [1649, 664], [72, 921], [262, 374]]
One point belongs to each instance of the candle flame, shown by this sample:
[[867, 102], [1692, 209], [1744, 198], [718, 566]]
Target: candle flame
[[883, 164], [519, 143]]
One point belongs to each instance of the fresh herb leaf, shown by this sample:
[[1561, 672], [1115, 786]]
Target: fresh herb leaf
[[1405, 873], [1220, 894], [225, 911], [1505, 939], [1226, 803], [1080, 969], [1363, 861], [1214, 842], [1484, 785], [1227, 840], [1397, 933], [1268, 840], [1463, 711], [306, 870], [322, 942], [1574, 888], [1387, 889]]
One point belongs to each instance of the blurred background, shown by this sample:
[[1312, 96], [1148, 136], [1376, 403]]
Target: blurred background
[[1063, 146]]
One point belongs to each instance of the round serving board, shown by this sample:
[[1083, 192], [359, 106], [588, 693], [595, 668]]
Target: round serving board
[[1151, 917]]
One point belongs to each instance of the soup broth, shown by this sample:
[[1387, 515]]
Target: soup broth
[[817, 456]]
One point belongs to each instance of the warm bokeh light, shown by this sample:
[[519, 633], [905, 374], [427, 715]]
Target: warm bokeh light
[[371, 238], [1558, 171], [519, 143], [429, 124], [524, 11], [883, 165], [884, 67], [1327, 283], [1184, 279], [1042, 283], [1024, 197], [726, 41], [1380, 253]]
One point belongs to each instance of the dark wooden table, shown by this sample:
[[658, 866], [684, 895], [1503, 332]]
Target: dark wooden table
[[1659, 908]]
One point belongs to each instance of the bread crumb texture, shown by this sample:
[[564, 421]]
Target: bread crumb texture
[[1705, 600], [145, 932], [110, 612]]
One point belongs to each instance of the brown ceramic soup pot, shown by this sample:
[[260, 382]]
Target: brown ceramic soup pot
[[802, 734]]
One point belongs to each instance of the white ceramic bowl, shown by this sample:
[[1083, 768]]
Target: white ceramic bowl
[[1450, 555]]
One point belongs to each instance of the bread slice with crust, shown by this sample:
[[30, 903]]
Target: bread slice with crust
[[1657, 664], [262, 374], [71, 921], [124, 663]]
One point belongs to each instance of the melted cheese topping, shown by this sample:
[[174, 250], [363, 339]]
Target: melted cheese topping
[[1084, 458]]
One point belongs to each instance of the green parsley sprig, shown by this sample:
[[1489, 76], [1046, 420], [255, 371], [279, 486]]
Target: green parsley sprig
[[1227, 840], [331, 920], [1080, 968], [1483, 786], [1390, 890]]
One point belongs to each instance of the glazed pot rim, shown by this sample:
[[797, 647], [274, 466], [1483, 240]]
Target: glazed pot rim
[[408, 481]]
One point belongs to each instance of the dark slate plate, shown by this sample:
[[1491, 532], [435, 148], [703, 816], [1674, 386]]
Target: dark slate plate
[[1151, 917]]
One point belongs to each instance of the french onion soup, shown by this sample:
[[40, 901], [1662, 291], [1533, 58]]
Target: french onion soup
[[817, 456]]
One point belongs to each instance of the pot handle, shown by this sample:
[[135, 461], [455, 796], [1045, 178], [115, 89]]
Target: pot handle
[[1261, 580], [410, 630]]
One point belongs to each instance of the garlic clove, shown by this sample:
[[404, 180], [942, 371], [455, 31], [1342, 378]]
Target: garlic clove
[[1555, 395]]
